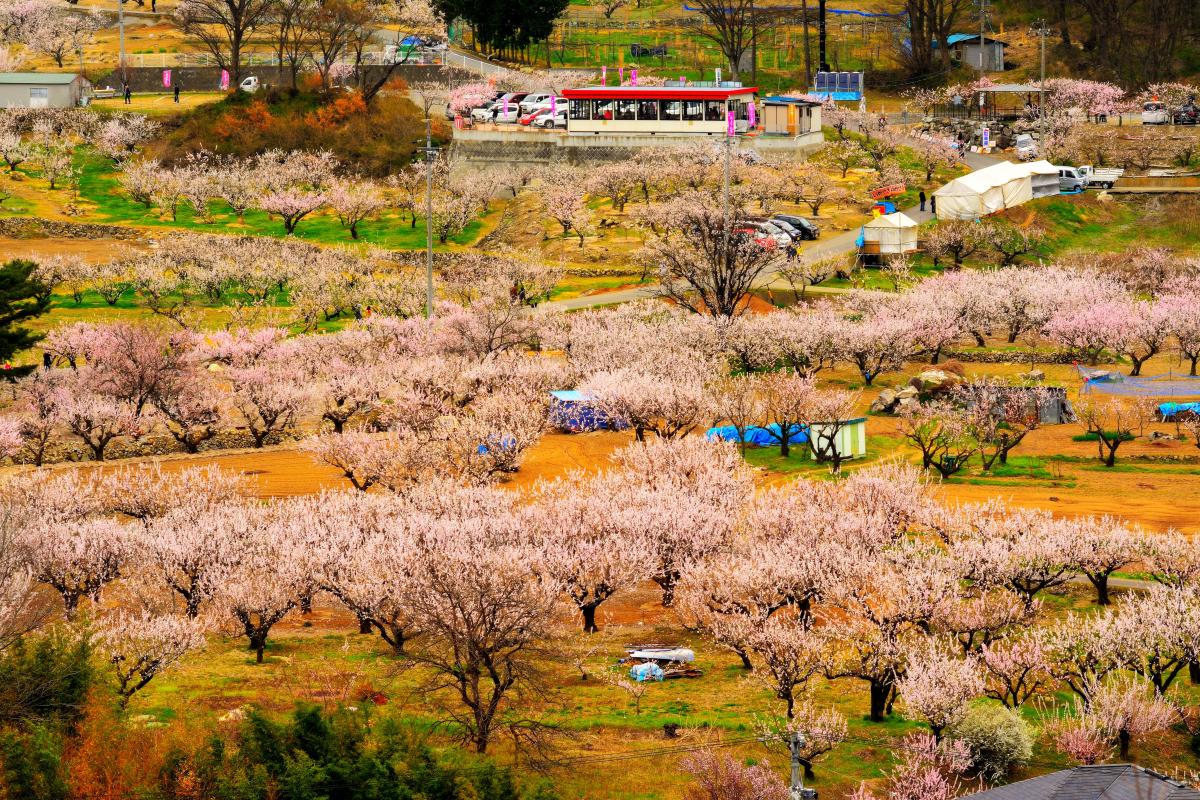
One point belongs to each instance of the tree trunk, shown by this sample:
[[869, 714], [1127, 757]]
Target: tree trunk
[[1101, 584], [1123, 739], [880, 691], [258, 643], [589, 617]]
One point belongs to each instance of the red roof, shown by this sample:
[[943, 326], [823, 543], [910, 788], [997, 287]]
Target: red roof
[[655, 93]]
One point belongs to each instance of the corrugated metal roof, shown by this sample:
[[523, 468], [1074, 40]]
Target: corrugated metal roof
[[1099, 782], [38, 78]]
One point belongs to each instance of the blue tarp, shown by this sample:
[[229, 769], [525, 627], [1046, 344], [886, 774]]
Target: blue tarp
[[1169, 410], [572, 411], [759, 437], [649, 671]]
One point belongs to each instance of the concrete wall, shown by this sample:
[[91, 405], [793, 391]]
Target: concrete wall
[[208, 79], [505, 146]]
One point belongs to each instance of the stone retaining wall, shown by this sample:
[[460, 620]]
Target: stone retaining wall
[[511, 145], [35, 228], [1006, 357]]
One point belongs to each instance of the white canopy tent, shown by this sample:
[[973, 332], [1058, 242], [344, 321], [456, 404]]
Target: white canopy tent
[[891, 234], [1043, 177], [986, 191]]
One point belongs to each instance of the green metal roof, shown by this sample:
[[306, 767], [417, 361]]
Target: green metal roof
[[41, 78]]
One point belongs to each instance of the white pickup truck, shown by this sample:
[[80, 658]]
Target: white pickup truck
[[1100, 177], [1076, 179]]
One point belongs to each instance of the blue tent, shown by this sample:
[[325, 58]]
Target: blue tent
[[573, 411], [756, 436]]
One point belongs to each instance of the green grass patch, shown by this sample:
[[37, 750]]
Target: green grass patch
[[99, 184]]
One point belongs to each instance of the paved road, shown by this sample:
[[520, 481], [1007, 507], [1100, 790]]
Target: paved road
[[822, 248]]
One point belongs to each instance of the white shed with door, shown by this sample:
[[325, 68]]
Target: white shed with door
[[42, 89], [849, 437]]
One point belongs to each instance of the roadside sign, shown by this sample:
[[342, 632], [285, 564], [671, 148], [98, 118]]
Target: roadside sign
[[986, 139]]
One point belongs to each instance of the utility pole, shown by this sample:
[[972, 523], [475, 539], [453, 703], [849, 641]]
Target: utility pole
[[821, 36], [798, 792], [1041, 30], [753, 44], [982, 23], [725, 210], [430, 151], [121, 27]]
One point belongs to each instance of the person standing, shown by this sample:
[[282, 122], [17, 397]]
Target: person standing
[[128, 95], [933, 205], [920, 196], [176, 93]]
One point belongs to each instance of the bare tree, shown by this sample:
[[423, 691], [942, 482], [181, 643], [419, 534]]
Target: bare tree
[[223, 26], [705, 262], [734, 26]]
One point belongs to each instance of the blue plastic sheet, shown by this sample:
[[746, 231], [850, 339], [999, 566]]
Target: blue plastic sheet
[[647, 671], [1169, 410], [756, 436]]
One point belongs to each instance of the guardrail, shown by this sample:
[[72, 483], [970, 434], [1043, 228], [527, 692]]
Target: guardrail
[[452, 58], [183, 60]]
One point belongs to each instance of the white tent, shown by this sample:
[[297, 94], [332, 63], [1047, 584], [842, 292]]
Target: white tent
[[984, 192], [890, 234], [1043, 177]]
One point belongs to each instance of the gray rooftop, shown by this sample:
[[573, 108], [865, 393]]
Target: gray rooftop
[[1099, 782], [41, 78]]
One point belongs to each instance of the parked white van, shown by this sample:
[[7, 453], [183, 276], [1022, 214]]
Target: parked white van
[[1155, 113], [531, 101], [249, 85]]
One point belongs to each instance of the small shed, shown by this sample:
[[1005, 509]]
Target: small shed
[[42, 89], [849, 437], [966, 48], [890, 234], [790, 116]]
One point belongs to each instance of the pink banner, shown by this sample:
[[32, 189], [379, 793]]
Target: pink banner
[[553, 105], [620, 76], [729, 123], [604, 76], [166, 79], [751, 113], [633, 77], [224, 79]]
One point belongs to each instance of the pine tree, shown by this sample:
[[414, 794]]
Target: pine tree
[[22, 297]]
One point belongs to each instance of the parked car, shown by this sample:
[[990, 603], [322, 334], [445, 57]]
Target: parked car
[[532, 101], [556, 120], [511, 116], [792, 231], [485, 113], [249, 85], [1026, 147], [745, 231], [1070, 180], [767, 230], [1155, 113], [807, 229], [530, 113]]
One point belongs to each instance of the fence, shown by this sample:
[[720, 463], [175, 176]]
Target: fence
[[185, 60]]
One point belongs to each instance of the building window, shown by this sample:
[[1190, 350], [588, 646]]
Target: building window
[[39, 93], [670, 109], [693, 110], [714, 110], [602, 109], [626, 109], [581, 109], [647, 109]]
